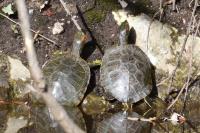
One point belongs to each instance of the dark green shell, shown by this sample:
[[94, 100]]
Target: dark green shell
[[126, 73], [67, 77]]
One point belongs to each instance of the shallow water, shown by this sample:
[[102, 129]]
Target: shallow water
[[114, 119]]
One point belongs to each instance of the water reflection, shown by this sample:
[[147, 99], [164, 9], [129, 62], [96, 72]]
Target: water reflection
[[118, 123], [101, 116], [37, 119]]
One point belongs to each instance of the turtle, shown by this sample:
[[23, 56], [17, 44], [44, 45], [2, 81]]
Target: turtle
[[67, 74], [126, 71]]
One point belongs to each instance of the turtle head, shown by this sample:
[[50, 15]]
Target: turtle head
[[80, 39], [127, 35], [123, 33]]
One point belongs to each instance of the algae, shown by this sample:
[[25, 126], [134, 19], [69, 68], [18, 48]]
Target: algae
[[95, 16], [102, 7]]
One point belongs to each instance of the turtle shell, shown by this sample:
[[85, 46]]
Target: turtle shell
[[126, 73], [67, 76]]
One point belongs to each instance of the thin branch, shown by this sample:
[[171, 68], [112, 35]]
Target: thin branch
[[150, 120], [175, 100], [190, 67], [30, 29], [163, 81], [35, 70], [71, 14], [173, 5], [183, 46], [189, 74], [57, 111], [151, 22]]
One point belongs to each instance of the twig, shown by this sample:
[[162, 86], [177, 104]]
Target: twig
[[149, 28], [35, 70], [36, 35], [151, 120], [197, 29], [183, 46], [163, 81], [173, 5], [3, 102], [178, 62], [190, 65], [180, 92], [30, 29], [151, 22], [57, 111], [189, 74], [73, 17]]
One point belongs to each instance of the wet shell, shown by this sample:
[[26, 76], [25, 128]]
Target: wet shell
[[126, 73], [67, 77]]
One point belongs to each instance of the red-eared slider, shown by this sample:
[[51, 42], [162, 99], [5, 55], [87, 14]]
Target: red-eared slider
[[125, 73], [68, 75]]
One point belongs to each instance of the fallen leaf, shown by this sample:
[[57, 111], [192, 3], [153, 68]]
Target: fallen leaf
[[8, 9]]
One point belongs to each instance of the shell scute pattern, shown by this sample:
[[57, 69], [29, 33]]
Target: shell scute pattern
[[67, 76], [127, 76]]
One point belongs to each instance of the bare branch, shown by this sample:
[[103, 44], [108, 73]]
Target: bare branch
[[183, 46], [35, 70], [185, 86], [173, 4], [71, 14], [151, 120], [30, 29], [58, 112]]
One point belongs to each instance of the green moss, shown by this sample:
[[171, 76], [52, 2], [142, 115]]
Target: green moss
[[102, 7], [108, 4], [95, 16]]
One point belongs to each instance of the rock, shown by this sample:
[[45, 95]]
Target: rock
[[14, 124], [13, 78], [17, 70], [162, 43], [58, 28], [123, 3]]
